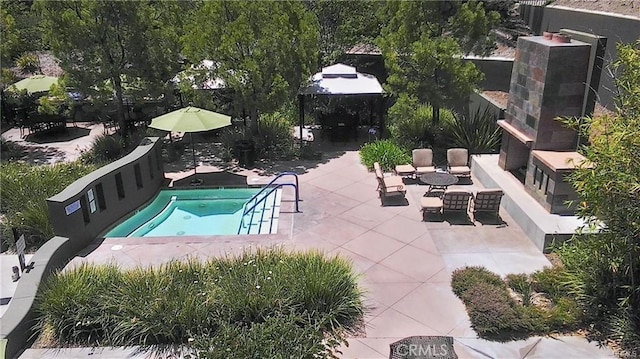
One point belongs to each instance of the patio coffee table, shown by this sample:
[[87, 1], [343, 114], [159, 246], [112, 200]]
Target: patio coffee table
[[438, 180]]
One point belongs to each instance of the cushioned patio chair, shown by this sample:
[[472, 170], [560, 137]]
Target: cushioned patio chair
[[458, 162], [388, 186], [453, 200], [486, 200], [422, 163]]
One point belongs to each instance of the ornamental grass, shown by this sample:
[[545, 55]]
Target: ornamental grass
[[189, 302]]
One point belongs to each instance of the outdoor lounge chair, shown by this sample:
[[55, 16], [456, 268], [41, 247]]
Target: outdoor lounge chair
[[422, 163], [458, 162], [388, 186], [453, 200], [486, 200]]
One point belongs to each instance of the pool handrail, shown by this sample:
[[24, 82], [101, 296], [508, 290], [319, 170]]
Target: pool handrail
[[271, 190]]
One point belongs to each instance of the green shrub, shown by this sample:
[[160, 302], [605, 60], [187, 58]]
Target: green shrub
[[622, 327], [565, 315], [465, 278], [493, 313], [24, 191], [274, 140], [552, 281], [228, 138], [9, 150], [520, 284], [28, 63], [478, 133], [105, 149], [386, 152], [410, 123], [162, 305], [7, 77], [590, 262], [491, 310], [266, 294]]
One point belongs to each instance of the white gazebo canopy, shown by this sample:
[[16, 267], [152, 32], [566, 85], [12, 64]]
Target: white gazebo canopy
[[341, 79]]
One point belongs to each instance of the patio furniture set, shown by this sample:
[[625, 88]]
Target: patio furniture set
[[438, 198]]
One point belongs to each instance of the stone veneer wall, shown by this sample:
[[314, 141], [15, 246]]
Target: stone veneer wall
[[547, 81]]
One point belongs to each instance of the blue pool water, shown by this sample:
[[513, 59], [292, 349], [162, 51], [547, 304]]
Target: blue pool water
[[190, 212]]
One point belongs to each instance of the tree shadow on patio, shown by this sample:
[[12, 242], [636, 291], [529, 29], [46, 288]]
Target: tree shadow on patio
[[63, 135], [212, 179]]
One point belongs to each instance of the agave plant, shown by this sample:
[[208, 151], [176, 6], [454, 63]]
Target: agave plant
[[478, 133]]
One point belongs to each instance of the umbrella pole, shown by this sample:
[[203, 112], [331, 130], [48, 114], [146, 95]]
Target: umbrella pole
[[193, 152]]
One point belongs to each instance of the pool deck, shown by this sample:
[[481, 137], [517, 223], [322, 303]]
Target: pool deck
[[405, 264]]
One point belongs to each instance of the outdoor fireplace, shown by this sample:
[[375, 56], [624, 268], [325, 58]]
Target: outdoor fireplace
[[547, 82]]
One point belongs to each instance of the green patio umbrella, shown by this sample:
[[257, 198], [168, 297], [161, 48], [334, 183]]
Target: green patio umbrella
[[191, 119], [35, 83]]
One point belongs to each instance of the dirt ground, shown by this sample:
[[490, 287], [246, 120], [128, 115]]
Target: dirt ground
[[623, 7]]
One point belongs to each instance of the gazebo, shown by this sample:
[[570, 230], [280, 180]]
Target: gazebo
[[344, 81]]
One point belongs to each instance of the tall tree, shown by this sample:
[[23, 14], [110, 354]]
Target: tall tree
[[344, 24], [423, 44], [263, 50], [104, 44], [20, 30]]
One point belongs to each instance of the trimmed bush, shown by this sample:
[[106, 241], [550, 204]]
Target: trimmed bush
[[265, 295], [564, 315], [386, 152], [493, 313], [466, 278]]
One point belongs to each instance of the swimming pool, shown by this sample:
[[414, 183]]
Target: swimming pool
[[196, 212]]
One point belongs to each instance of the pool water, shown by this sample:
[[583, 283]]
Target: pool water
[[194, 212]]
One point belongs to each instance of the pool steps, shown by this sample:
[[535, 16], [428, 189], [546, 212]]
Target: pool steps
[[261, 223]]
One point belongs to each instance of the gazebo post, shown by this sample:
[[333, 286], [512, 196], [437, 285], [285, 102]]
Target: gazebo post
[[301, 110], [381, 114]]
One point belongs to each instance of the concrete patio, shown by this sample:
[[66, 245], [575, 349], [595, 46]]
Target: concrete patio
[[405, 263]]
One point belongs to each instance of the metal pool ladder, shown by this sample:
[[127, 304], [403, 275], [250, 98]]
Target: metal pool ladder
[[260, 198]]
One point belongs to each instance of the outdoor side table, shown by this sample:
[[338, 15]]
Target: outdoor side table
[[438, 180]]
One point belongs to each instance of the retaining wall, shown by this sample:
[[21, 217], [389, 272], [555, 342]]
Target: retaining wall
[[78, 218], [88, 206]]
